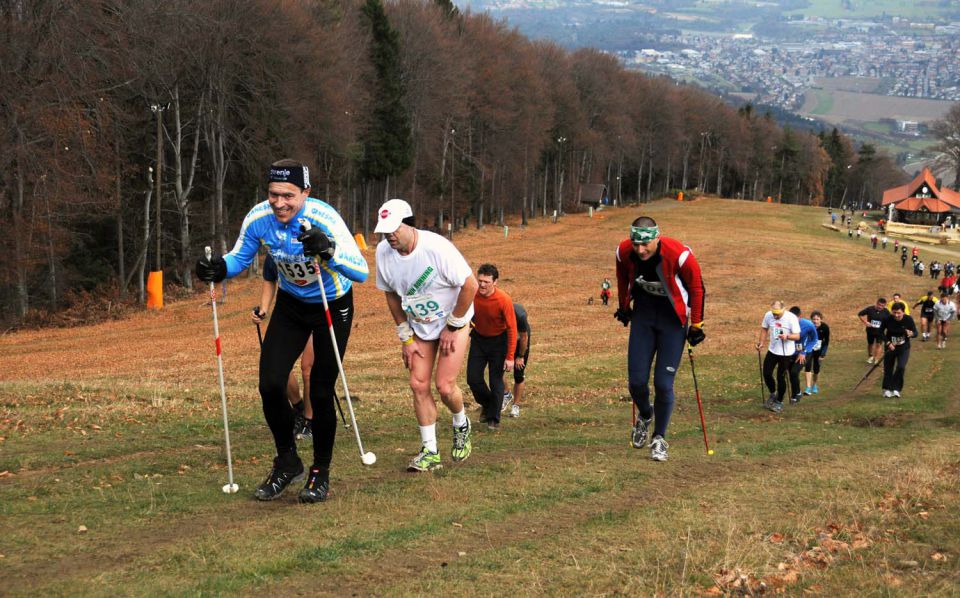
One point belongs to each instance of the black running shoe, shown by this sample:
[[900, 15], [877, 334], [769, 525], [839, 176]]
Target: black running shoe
[[317, 488], [281, 476]]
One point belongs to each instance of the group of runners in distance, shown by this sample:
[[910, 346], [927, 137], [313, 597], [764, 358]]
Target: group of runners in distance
[[446, 314], [794, 344], [889, 325]]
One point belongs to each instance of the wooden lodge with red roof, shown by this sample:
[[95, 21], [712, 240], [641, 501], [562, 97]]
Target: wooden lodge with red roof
[[921, 201]]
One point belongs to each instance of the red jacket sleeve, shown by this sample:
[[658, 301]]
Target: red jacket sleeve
[[510, 317], [623, 273], [692, 279]]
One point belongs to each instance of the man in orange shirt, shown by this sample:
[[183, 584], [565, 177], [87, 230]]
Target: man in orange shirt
[[493, 344]]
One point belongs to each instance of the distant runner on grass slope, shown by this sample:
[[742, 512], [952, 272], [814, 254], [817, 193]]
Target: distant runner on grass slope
[[429, 289], [662, 279], [780, 329], [298, 313]]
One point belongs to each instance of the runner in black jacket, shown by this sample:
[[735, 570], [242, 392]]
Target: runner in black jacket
[[896, 332]]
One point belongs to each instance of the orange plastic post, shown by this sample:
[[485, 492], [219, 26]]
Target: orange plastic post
[[769, 199], [155, 290], [361, 242], [679, 195]]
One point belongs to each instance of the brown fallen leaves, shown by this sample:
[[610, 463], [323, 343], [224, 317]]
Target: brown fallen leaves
[[829, 543]]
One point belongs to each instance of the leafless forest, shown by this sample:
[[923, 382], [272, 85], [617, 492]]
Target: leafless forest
[[134, 132]]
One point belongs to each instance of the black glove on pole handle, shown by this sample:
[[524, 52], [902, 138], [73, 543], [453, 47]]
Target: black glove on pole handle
[[256, 312]]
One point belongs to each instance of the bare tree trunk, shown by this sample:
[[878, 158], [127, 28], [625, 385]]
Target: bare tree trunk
[[546, 177], [51, 255], [526, 185], [23, 299], [666, 182], [649, 177], [121, 258], [620, 180], [183, 191], [720, 174], [686, 165], [141, 280]]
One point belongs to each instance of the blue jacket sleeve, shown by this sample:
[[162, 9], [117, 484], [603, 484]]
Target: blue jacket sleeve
[[808, 337], [245, 249]]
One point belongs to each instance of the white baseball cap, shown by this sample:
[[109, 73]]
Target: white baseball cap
[[390, 215]]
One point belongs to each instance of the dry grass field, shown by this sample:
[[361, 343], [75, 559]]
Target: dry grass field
[[838, 106], [111, 461]]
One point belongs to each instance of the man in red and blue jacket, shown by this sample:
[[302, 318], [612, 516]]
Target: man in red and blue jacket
[[661, 296]]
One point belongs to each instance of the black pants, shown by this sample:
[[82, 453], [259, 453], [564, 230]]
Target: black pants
[[813, 362], [783, 365], [894, 366], [292, 323], [487, 352]]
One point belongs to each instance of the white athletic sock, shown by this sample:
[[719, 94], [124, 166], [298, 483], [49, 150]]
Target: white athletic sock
[[460, 419], [428, 437]]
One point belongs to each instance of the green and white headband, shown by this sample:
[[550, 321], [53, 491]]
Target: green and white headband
[[644, 234]]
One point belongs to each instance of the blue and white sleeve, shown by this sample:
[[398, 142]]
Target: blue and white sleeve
[[248, 243]]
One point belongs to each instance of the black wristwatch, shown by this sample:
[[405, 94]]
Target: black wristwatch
[[455, 328]]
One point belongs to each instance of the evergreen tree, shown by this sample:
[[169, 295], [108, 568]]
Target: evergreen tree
[[841, 158], [387, 140], [449, 8]]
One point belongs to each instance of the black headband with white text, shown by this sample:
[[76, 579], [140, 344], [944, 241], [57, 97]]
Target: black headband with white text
[[295, 175]]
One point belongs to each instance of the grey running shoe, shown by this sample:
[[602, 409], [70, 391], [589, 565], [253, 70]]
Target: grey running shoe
[[658, 448], [515, 410], [638, 435], [771, 402], [507, 401]]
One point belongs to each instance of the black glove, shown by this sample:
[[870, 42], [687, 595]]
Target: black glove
[[211, 270], [695, 336], [315, 243], [623, 315]]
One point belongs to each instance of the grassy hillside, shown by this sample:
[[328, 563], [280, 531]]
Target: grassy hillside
[[111, 458]]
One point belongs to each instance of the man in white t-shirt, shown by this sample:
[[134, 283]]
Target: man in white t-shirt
[[429, 288], [943, 312], [780, 330]]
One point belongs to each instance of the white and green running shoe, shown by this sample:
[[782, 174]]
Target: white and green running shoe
[[425, 461], [461, 442]]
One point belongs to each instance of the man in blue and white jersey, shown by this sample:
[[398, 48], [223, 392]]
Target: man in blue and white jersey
[[278, 224], [805, 348]]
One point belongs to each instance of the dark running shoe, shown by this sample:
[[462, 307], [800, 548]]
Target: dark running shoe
[[302, 428], [795, 399], [317, 488], [638, 435], [770, 402], [281, 476]]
